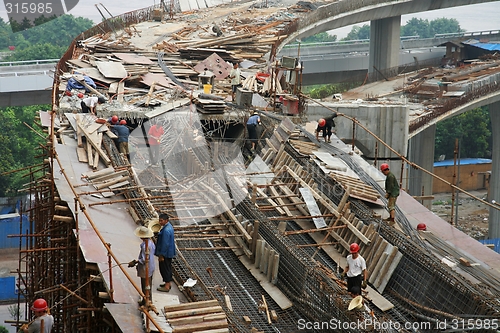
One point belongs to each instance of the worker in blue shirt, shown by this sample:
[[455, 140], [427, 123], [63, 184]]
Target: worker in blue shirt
[[252, 123], [122, 132], [165, 251]]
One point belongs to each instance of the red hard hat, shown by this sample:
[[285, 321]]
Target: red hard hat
[[114, 119], [80, 95], [384, 167], [123, 122], [421, 226], [322, 122], [39, 305], [354, 248]]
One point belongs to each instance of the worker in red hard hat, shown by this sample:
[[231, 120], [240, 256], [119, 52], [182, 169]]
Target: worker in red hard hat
[[114, 120], [391, 192], [43, 321], [120, 129], [421, 227], [325, 125], [355, 271]]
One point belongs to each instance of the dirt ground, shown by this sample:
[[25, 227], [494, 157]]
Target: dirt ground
[[472, 214]]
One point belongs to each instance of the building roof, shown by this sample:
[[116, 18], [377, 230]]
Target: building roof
[[463, 161]]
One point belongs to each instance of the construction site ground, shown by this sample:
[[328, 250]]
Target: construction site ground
[[472, 214]]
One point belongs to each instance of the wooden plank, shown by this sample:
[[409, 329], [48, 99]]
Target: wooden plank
[[192, 312], [121, 90], [319, 222], [386, 277], [280, 201], [328, 206], [196, 327], [113, 87], [196, 319], [191, 305], [112, 69], [96, 146], [82, 155]]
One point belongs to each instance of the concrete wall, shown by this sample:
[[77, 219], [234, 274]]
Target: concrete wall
[[388, 122], [472, 177]]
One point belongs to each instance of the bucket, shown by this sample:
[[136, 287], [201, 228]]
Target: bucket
[[207, 88]]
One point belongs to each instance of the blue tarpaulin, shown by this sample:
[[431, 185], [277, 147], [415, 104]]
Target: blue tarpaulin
[[494, 241], [463, 161], [10, 225], [8, 288], [74, 84]]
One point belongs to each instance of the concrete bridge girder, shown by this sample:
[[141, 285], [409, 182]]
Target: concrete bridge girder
[[344, 13]]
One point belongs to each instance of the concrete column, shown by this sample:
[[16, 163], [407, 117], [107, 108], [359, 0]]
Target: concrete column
[[384, 44], [494, 189], [421, 152]]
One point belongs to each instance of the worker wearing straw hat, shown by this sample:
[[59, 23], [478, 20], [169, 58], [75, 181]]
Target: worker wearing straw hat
[[145, 260]]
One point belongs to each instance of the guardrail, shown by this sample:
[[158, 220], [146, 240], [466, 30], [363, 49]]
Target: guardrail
[[29, 62]]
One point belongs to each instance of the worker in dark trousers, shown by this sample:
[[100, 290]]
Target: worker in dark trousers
[[391, 192], [252, 124], [325, 125], [122, 132], [355, 271]]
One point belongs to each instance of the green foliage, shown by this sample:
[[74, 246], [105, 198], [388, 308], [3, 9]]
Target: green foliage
[[414, 27], [45, 41], [319, 38], [358, 33], [18, 145], [323, 91], [3, 329], [472, 128]]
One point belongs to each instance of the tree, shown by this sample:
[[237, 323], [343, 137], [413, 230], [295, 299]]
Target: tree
[[358, 33], [37, 51], [18, 144], [3, 329], [473, 128], [320, 38], [426, 29]]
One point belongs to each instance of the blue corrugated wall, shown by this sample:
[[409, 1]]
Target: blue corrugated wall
[[10, 226], [495, 241], [8, 288]]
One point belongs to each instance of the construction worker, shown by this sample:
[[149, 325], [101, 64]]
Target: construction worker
[[391, 192], [165, 251], [252, 123], [355, 271], [88, 104], [154, 138], [325, 125], [113, 120], [43, 320], [122, 132], [145, 234], [235, 76]]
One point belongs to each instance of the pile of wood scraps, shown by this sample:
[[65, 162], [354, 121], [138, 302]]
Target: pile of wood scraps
[[196, 317], [359, 189], [89, 136], [304, 147], [206, 106], [107, 180]]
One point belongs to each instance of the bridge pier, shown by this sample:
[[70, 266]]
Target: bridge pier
[[421, 152], [384, 44], [494, 189]]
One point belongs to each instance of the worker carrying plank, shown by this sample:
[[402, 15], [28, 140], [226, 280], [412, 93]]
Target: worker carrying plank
[[43, 319]]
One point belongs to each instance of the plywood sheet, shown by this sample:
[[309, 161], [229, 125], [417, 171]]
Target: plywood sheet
[[160, 79], [93, 73], [133, 58], [110, 69], [313, 208]]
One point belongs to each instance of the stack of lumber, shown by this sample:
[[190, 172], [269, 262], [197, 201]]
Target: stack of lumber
[[304, 147], [358, 188], [108, 180], [89, 136], [210, 106], [196, 317]]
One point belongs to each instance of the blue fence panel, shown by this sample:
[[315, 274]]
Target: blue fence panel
[[494, 241], [8, 288], [10, 226]]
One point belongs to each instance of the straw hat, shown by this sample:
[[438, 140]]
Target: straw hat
[[153, 224], [143, 232], [356, 303]]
